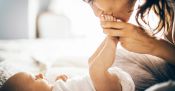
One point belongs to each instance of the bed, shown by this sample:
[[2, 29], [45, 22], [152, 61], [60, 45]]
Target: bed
[[50, 57]]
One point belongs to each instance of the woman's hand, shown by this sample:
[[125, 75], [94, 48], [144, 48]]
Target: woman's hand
[[132, 38]]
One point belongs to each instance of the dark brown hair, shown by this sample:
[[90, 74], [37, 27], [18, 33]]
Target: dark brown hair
[[12, 85], [163, 9], [8, 86]]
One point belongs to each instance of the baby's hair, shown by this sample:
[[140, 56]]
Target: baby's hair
[[12, 84], [8, 87]]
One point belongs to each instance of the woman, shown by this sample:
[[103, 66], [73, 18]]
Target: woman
[[156, 54]]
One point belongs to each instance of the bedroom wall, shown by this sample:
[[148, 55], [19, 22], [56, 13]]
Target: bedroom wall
[[34, 9], [17, 18], [13, 19]]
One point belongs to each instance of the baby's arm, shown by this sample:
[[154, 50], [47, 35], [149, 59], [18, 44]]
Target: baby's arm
[[102, 79]]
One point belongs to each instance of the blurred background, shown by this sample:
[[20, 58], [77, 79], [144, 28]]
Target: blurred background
[[36, 35], [26, 19], [67, 22]]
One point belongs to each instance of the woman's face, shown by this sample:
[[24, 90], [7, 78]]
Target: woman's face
[[120, 9]]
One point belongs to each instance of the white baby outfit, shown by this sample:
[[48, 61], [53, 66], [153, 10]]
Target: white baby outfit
[[84, 83]]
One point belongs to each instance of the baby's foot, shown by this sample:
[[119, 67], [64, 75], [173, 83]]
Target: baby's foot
[[107, 18]]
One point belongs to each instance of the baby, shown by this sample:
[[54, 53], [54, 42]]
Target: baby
[[101, 76]]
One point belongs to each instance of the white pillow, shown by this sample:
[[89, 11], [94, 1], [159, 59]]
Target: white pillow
[[80, 13], [68, 7]]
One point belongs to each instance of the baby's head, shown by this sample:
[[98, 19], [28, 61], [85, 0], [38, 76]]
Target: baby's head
[[26, 82]]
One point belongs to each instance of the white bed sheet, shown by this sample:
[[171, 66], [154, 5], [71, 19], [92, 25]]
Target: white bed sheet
[[46, 56]]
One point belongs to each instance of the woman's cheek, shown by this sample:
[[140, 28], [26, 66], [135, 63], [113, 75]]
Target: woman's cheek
[[96, 11]]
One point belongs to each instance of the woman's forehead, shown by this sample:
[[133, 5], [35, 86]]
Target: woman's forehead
[[108, 0]]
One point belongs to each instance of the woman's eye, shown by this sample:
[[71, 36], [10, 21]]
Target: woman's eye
[[88, 1]]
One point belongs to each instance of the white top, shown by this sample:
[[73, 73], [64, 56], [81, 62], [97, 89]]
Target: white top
[[125, 79], [84, 83]]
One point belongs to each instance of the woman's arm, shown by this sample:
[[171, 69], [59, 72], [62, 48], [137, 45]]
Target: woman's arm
[[102, 79], [136, 39], [165, 50]]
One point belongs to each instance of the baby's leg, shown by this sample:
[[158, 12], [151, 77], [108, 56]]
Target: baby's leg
[[102, 79], [96, 52], [102, 19]]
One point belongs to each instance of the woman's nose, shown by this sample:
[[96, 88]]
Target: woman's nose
[[106, 6], [39, 76]]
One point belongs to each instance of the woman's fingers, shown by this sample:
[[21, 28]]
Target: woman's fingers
[[120, 29], [115, 25], [114, 32]]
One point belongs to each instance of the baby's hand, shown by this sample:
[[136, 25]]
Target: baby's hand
[[62, 77]]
